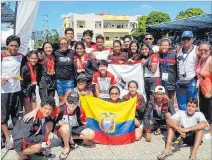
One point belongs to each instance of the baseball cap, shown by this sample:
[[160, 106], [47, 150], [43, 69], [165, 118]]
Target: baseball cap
[[82, 77], [187, 34], [73, 96], [160, 89]]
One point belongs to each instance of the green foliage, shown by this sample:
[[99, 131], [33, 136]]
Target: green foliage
[[141, 29], [156, 17], [39, 43], [189, 13]]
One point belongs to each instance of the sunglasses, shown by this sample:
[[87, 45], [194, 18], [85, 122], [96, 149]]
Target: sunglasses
[[114, 94], [148, 38], [73, 102], [186, 38]]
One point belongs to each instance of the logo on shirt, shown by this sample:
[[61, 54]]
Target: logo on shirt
[[107, 122], [65, 59]]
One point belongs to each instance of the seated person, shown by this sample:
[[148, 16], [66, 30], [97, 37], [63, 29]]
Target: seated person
[[162, 109], [114, 93], [28, 136], [103, 80], [142, 116], [190, 125]]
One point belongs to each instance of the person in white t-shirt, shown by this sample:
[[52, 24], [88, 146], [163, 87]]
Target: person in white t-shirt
[[190, 125], [149, 39]]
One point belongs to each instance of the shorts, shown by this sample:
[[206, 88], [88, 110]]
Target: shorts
[[150, 84], [76, 131], [11, 104], [63, 86], [44, 93], [30, 92], [189, 138]]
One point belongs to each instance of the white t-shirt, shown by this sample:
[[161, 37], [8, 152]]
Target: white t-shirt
[[155, 48], [187, 121]]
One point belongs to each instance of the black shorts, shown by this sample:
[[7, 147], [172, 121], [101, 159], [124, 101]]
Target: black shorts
[[76, 131], [150, 84], [189, 138], [44, 93], [30, 92], [11, 104]]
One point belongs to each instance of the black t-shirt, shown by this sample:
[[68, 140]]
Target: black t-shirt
[[64, 65]]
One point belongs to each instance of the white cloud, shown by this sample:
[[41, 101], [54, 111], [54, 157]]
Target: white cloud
[[146, 7]]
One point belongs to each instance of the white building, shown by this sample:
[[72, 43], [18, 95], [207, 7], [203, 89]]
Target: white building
[[110, 26]]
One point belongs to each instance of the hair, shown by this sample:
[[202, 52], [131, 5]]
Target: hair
[[45, 44], [102, 62], [130, 52], [133, 81], [30, 53], [207, 43], [99, 37], [63, 38], [194, 101], [88, 32], [48, 101], [165, 40], [13, 38], [117, 41], [69, 29], [114, 87], [150, 50], [127, 36], [79, 43], [147, 34]]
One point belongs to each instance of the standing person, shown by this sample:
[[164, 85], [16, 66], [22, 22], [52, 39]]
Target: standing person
[[65, 70], [149, 39], [11, 94], [151, 70], [30, 73], [133, 52], [204, 73], [168, 68], [47, 84], [69, 34], [127, 40], [186, 61], [142, 116], [87, 40], [117, 55]]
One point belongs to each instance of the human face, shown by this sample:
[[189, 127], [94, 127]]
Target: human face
[[33, 59], [100, 43], [81, 84], [102, 69], [204, 51], [63, 45], [69, 35], [116, 47], [114, 94], [132, 88], [187, 42], [164, 46], [149, 39], [133, 48], [145, 51], [87, 38], [46, 110], [13, 47], [48, 49], [71, 105], [191, 108], [159, 96], [80, 50], [127, 42]]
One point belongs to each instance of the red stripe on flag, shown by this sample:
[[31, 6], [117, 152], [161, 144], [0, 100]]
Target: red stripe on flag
[[114, 140]]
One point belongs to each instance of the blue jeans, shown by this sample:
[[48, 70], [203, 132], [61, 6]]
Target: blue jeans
[[63, 86]]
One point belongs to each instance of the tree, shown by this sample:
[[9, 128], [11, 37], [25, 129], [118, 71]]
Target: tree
[[189, 13], [156, 17], [141, 29], [39, 43]]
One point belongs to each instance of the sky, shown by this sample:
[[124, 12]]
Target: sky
[[56, 9]]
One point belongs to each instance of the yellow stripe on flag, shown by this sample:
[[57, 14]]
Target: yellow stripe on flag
[[95, 107]]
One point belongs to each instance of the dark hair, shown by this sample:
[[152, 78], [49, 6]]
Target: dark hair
[[13, 38], [30, 53], [48, 101], [193, 100], [150, 50], [117, 41], [79, 43], [130, 54], [69, 29], [133, 81], [99, 37], [102, 62], [114, 87], [148, 34], [127, 36], [45, 44], [88, 32]]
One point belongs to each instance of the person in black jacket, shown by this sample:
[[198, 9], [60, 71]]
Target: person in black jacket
[[65, 70], [29, 136], [142, 117]]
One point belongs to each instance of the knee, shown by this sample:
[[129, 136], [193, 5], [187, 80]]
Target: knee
[[64, 129], [91, 134], [49, 126], [38, 148], [167, 115], [138, 134]]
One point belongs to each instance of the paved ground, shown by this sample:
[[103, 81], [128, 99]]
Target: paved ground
[[139, 150]]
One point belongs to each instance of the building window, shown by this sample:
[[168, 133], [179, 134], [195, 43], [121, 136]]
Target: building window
[[80, 24], [98, 24], [107, 38], [133, 25], [118, 26], [79, 36]]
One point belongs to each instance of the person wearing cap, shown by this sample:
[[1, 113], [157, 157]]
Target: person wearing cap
[[162, 109], [186, 61]]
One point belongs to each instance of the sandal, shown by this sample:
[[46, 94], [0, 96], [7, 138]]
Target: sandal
[[158, 132], [63, 155], [164, 155], [73, 145]]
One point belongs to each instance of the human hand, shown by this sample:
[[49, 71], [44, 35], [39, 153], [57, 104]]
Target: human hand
[[30, 115], [130, 61], [4, 80], [121, 62], [49, 143], [93, 56]]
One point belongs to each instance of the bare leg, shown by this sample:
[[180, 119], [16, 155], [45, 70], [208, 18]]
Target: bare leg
[[65, 135], [138, 134], [49, 127], [4, 128], [198, 139], [171, 95], [27, 105], [87, 135], [31, 149], [34, 105]]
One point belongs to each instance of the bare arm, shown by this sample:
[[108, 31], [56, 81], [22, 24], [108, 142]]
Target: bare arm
[[97, 90], [200, 126], [154, 68]]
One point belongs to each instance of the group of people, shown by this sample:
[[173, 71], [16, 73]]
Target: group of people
[[74, 70]]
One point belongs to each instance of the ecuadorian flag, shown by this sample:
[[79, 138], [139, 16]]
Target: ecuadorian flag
[[113, 123]]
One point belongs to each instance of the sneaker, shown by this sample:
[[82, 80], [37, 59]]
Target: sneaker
[[208, 136], [148, 137], [9, 145]]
